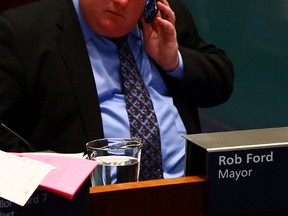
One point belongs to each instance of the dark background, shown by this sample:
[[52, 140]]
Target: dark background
[[254, 34]]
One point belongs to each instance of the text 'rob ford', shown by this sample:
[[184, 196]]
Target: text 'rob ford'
[[224, 162]]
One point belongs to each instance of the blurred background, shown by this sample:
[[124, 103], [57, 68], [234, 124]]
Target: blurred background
[[254, 35]]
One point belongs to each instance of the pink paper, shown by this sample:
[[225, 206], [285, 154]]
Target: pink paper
[[69, 175]]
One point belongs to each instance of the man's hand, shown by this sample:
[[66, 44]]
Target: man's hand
[[160, 38]]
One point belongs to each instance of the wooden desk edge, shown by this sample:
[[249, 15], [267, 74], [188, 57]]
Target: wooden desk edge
[[143, 184]]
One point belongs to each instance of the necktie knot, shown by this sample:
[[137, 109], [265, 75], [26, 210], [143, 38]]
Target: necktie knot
[[120, 41]]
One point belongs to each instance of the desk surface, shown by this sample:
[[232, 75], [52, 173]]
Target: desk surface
[[146, 184]]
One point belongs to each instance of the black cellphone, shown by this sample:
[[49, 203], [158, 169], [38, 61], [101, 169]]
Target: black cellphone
[[150, 10]]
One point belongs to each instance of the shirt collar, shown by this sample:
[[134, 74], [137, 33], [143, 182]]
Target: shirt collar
[[87, 31]]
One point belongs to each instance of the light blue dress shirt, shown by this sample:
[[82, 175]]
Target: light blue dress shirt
[[105, 65]]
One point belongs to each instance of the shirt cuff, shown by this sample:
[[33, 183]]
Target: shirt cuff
[[178, 73]]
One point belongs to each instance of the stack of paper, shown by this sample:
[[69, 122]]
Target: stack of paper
[[24, 172]]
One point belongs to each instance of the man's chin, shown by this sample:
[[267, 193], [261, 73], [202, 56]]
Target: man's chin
[[114, 30], [114, 34]]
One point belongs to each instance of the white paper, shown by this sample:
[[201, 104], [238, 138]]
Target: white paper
[[19, 177]]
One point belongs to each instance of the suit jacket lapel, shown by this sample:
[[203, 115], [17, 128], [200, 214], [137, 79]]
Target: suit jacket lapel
[[74, 53]]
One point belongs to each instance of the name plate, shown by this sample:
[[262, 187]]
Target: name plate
[[46, 203], [247, 171]]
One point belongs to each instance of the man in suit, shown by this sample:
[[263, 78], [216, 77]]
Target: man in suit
[[59, 73]]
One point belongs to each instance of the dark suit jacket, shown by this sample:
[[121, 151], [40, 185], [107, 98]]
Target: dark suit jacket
[[47, 90]]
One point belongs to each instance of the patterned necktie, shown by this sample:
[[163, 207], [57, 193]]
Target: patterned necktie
[[141, 114]]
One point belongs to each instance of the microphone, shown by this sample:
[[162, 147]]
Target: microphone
[[27, 144]]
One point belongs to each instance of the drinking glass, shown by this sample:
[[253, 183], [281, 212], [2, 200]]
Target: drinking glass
[[118, 160]]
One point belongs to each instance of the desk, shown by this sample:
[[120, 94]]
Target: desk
[[169, 197]]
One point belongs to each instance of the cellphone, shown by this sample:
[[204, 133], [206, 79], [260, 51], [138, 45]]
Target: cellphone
[[150, 10]]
